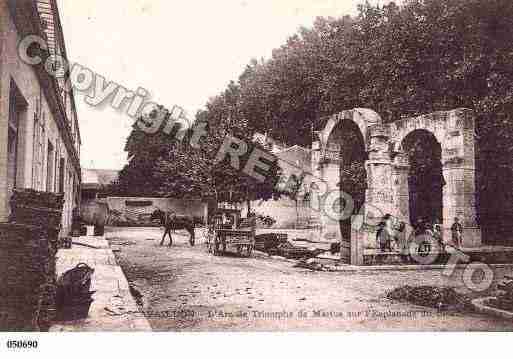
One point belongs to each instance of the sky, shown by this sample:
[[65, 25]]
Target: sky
[[182, 52]]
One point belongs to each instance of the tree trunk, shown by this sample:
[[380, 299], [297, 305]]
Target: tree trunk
[[217, 198], [297, 214], [248, 202]]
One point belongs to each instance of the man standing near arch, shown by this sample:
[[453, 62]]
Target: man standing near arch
[[457, 232]]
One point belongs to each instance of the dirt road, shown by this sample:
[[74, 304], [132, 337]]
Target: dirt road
[[186, 288]]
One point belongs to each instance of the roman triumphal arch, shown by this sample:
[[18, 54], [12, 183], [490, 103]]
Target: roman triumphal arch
[[387, 167]]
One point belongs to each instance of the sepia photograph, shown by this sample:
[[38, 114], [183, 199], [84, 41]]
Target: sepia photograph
[[254, 166]]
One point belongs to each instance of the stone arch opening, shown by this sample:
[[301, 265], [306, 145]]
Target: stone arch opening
[[425, 176], [446, 142], [350, 128], [348, 142]]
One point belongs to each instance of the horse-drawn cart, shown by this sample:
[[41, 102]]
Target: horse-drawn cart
[[227, 231]]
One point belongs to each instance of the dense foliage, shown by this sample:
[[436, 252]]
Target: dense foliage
[[423, 56]]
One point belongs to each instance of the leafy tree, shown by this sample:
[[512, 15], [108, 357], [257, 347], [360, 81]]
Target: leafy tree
[[162, 165]]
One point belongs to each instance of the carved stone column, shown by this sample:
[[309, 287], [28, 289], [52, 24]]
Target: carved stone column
[[459, 193], [330, 209], [379, 192], [401, 191]]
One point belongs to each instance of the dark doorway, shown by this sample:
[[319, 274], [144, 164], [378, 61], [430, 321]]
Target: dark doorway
[[425, 178], [353, 175]]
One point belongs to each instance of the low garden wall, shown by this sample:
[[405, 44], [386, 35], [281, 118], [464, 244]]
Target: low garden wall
[[136, 211]]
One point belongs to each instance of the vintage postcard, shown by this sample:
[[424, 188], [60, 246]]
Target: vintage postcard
[[249, 166]]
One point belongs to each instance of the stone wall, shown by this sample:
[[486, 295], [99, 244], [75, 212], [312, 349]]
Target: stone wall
[[107, 209], [282, 210]]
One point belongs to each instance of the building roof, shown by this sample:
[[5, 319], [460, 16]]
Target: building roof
[[294, 159], [295, 148], [94, 178], [268, 142]]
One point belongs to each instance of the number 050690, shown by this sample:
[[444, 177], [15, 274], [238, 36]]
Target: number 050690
[[22, 344]]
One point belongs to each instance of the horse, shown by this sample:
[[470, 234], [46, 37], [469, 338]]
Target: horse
[[172, 221]]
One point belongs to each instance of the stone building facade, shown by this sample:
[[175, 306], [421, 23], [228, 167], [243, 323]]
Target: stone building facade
[[39, 132], [387, 167], [295, 163]]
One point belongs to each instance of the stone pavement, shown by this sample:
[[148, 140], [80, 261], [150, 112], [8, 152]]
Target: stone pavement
[[114, 308]]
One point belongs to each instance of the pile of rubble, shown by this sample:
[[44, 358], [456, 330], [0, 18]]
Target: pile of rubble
[[277, 244], [291, 251], [504, 299], [312, 264], [28, 245], [268, 242], [36, 208], [27, 264], [37, 199], [441, 298]]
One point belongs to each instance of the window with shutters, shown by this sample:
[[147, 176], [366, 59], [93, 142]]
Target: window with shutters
[[57, 157], [39, 153], [35, 154], [42, 154], [17, 111]]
